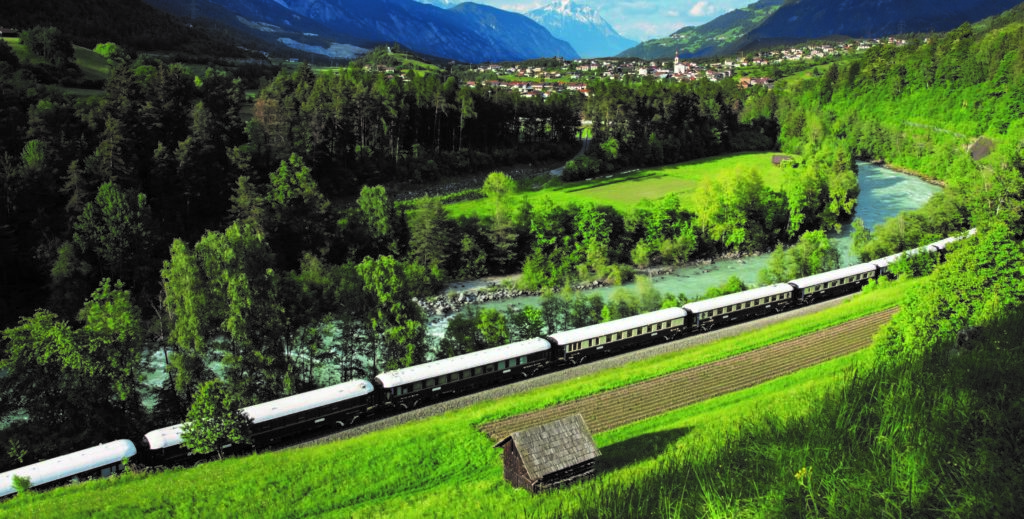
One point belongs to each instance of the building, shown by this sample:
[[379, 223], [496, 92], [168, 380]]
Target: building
[[678, 67], [550, 455]]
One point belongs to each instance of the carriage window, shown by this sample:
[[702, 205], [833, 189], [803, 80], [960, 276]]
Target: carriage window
[[429, 383], [477, 371], [466, 374], [489, 368], [417, 386], [522, 360], [501, 365]]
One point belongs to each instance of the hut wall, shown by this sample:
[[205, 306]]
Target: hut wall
[[515, 471], [566, 476]]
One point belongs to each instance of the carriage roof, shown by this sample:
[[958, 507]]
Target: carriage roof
[[616, 326], [68, 465], [706, 305], [834, 275], [419, 372]]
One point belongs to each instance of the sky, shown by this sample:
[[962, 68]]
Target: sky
[[640, 19]]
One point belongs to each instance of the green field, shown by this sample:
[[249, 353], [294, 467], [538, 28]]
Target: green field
[[443, 466], [625, 191]]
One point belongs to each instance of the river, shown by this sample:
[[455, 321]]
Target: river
[[883, 194]]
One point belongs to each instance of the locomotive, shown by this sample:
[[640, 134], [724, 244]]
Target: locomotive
[[394, 391]]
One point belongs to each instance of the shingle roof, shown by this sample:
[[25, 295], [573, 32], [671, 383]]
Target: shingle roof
[[554, 446]]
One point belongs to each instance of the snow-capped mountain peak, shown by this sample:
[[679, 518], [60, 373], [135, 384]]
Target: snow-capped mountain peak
[[582, 26], [570, 9]]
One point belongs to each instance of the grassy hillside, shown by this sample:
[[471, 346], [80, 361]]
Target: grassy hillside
[[625, 191], [444, 467], [397, 58], [131, 23], [707, 39]]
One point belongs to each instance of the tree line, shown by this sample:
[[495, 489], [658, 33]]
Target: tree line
[[947, 105]]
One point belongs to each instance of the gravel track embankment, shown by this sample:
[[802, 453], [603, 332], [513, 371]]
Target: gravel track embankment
[[567, 374], [618, 407]]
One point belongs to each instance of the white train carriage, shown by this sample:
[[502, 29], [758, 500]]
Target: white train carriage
[[833, 283], [99, 461], [412, 386], [340, 404], [574, 345], [722, 310], [885, 263], [940, 246], [163, 446]]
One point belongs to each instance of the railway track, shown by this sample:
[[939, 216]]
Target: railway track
[[657, 396]]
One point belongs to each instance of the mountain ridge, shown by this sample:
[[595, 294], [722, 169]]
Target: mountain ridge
[[710, 38], [800, 20], [582, 26], [768, 23], [462, 33]]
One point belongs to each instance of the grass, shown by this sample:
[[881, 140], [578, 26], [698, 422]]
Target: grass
[[443, 466], [626, 191], [93, 65]]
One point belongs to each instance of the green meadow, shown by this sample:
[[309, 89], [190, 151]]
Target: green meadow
[[443, 466], [625, 191]]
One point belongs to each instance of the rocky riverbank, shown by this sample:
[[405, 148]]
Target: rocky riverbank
[[499, 289], [448, 304]]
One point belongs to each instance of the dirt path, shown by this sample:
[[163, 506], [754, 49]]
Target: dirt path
[[657, 396]]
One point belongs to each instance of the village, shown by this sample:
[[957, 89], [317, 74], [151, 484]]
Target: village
[[537, 81]]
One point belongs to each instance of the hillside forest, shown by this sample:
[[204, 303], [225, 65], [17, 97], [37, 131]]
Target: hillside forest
[[173, 220]]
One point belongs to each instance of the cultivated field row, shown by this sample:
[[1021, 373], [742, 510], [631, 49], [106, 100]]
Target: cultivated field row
[[657, 396]]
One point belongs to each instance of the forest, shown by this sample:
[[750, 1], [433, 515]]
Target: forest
[[250, 241]]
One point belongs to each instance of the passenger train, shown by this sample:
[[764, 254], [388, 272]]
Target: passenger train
[[343, 404]]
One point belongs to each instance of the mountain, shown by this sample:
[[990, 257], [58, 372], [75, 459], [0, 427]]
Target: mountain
[[443, 4], [468, 32], [801, 20], [131, 23], [590, 34], [513, 31], [783, 22], [710, 38]]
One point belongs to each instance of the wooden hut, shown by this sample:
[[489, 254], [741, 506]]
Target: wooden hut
[[781, 160], [550, 455], [981, 148]]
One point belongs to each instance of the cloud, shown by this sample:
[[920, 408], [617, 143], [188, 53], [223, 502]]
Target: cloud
[[702, 8]]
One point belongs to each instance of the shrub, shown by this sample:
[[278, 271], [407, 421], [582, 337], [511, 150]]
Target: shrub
[[21, 484], [581, 168]]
